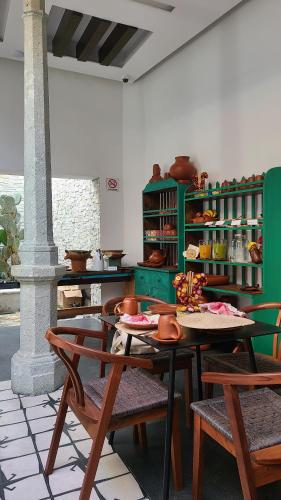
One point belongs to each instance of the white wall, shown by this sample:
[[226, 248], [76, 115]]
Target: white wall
[[218, 100], [86, 134]]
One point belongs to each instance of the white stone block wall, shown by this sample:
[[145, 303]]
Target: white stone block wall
[[76, 214]]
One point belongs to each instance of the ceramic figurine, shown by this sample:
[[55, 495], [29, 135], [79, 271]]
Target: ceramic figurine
[[156, 173], [198, 182], [183, 169]]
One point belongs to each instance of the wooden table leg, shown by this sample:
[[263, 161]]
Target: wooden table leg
[[252, 355]]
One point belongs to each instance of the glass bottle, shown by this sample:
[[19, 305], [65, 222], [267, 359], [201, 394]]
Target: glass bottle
[[240, 251]]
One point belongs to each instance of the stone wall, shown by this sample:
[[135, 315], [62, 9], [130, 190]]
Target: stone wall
[[76, 214]]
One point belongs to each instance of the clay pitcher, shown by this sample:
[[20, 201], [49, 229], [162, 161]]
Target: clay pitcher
[[128, 306], [168, 328], [183, 169]]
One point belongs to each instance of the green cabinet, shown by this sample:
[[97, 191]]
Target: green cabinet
[[156, 283]]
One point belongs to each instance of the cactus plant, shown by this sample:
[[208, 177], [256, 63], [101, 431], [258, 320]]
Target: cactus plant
[[10, 235]]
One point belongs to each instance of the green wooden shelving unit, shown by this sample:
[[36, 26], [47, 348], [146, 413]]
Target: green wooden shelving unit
[[254, 200], [163, 203]]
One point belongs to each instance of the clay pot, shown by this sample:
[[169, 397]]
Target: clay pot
[[78, 259], [183, 169], [168, 327], [226, 184], [243, 181], [259, 177], [128, 306], [251, 179], [169, 227], [156, 256]]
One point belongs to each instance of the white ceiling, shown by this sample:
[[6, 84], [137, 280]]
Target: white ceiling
[[170, 30]]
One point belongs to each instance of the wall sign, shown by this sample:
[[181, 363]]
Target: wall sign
[[112, 184]]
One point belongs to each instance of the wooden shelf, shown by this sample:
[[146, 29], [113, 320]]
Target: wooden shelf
[[160, 213], [230, 289], [223, 262]]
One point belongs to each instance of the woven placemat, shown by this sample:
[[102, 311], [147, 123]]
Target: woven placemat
[[209, 321]]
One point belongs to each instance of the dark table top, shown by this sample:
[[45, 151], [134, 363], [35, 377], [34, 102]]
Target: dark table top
[[192, 337]]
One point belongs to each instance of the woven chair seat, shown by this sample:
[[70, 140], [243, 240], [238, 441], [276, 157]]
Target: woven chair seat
[[261, 410], [138, 392], [240, 362]]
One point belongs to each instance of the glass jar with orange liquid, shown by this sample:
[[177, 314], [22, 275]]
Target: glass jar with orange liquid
[[205, 249]]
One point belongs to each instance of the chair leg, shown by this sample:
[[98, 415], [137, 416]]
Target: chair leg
[[56, 437], [176, 451], [197, 459], [188, 395], [246, 479], [92, 466], [136, 437]]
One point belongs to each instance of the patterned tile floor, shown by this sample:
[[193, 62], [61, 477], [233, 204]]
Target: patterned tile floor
[[26, 425]]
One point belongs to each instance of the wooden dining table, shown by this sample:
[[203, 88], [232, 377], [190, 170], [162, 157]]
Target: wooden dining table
[[193, 338]]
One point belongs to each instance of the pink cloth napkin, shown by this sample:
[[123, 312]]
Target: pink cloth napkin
[[221, 308], [140, 319]]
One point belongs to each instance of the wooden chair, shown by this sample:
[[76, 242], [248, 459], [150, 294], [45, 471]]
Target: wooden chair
[[121, 399], [161, 359], [239, 362], [247, 425]]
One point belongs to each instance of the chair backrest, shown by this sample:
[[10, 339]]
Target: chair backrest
[[276, 353], [63, 347], [110, 304]]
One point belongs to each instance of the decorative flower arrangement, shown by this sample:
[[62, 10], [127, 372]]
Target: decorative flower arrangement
[[189, 290]]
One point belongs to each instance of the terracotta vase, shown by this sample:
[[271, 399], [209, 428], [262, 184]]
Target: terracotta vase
[[78, 259], [183, 169], [128, 306]]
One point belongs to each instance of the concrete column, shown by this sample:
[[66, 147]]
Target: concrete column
[[35, 368]]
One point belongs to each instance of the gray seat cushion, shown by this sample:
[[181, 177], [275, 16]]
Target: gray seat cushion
[[240, 362], [261, 410], [138, 391]]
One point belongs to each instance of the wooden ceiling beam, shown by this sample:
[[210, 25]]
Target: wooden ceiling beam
[[67, 27], [116, 41], [91, 37]]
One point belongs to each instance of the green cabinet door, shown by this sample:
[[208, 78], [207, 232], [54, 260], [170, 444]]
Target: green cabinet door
[[156, 283]]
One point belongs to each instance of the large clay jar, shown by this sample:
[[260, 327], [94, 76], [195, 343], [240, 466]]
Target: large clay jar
[[183, 169]]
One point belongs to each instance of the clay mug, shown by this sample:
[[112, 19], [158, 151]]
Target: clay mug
[[128, 306], [168, 327]]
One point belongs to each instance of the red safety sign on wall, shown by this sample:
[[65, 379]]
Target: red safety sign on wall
[[112, 184]]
